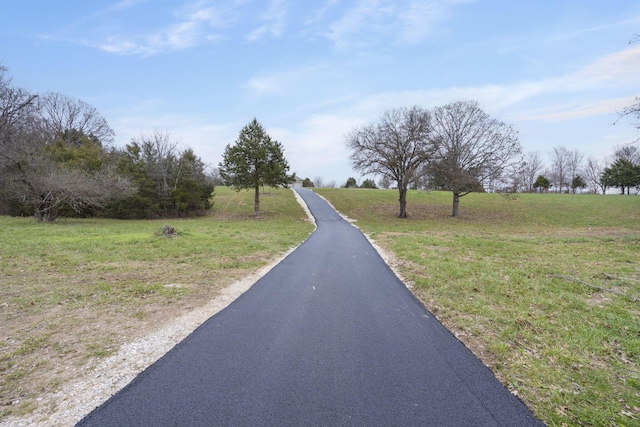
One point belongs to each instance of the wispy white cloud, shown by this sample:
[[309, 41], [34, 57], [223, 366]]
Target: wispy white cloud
[[194, 23], [521, 100], [400, 22], [574, 110], [620, 67], [273, 19]]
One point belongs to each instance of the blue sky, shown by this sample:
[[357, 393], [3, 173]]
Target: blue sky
[[310, 71]]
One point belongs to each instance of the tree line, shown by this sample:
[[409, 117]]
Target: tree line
[[57, 159], [569, 172]]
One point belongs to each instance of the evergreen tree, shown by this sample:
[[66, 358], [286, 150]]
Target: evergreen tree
[[542, 183], [254, 160]]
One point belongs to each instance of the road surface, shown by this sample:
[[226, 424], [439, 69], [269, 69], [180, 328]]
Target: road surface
[[329, 337]]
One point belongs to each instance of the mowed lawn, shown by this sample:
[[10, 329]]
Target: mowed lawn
[[74, 291], [545, 289]]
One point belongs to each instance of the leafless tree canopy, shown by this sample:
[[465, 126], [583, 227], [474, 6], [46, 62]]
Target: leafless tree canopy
[[48, 188], [472, 148], [61, 114], [17, 109], [560, 169], [395, 147], [532, 164], [630, 153], [593, 175]]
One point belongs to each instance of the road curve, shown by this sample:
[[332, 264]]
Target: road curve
[[329, 337]]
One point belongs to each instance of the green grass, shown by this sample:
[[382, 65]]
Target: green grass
[[513, 279], [75, 290]]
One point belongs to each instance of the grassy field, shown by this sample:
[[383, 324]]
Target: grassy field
[[545, 289], [73, 291]]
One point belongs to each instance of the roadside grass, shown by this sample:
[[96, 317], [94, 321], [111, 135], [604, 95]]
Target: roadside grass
[[73, 291], [545, 289]]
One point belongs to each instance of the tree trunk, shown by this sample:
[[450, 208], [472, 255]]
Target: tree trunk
[[256, 201], [403, 202], [456, 204]]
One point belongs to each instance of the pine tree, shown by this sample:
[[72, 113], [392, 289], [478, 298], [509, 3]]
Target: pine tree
[[254, 160]]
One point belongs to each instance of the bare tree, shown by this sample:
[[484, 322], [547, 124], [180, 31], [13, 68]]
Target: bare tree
[[574, 162], [48, 187], [560, 158], [527, 172], [17, 111], [627, 152], [395, 147], [64, 117], [318, 181], [593, 174], [472, 148], [384, 182]]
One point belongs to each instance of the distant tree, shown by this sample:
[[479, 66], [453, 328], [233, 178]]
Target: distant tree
[[395, 147], [384, 182], [577, 182], [146, 202], [255, 160], [331, 184], [574, 158], [593, 175], [318, 181], [170, 183], [368, 183], [528, 170], [472, 147], [622, 174], [630, 153], [541, 184], [214, 177], [560, 169], [192, 190], [351, 183], [159, 152], [307, 182]]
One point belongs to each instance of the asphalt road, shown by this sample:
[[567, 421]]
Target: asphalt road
[[329, 337]]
